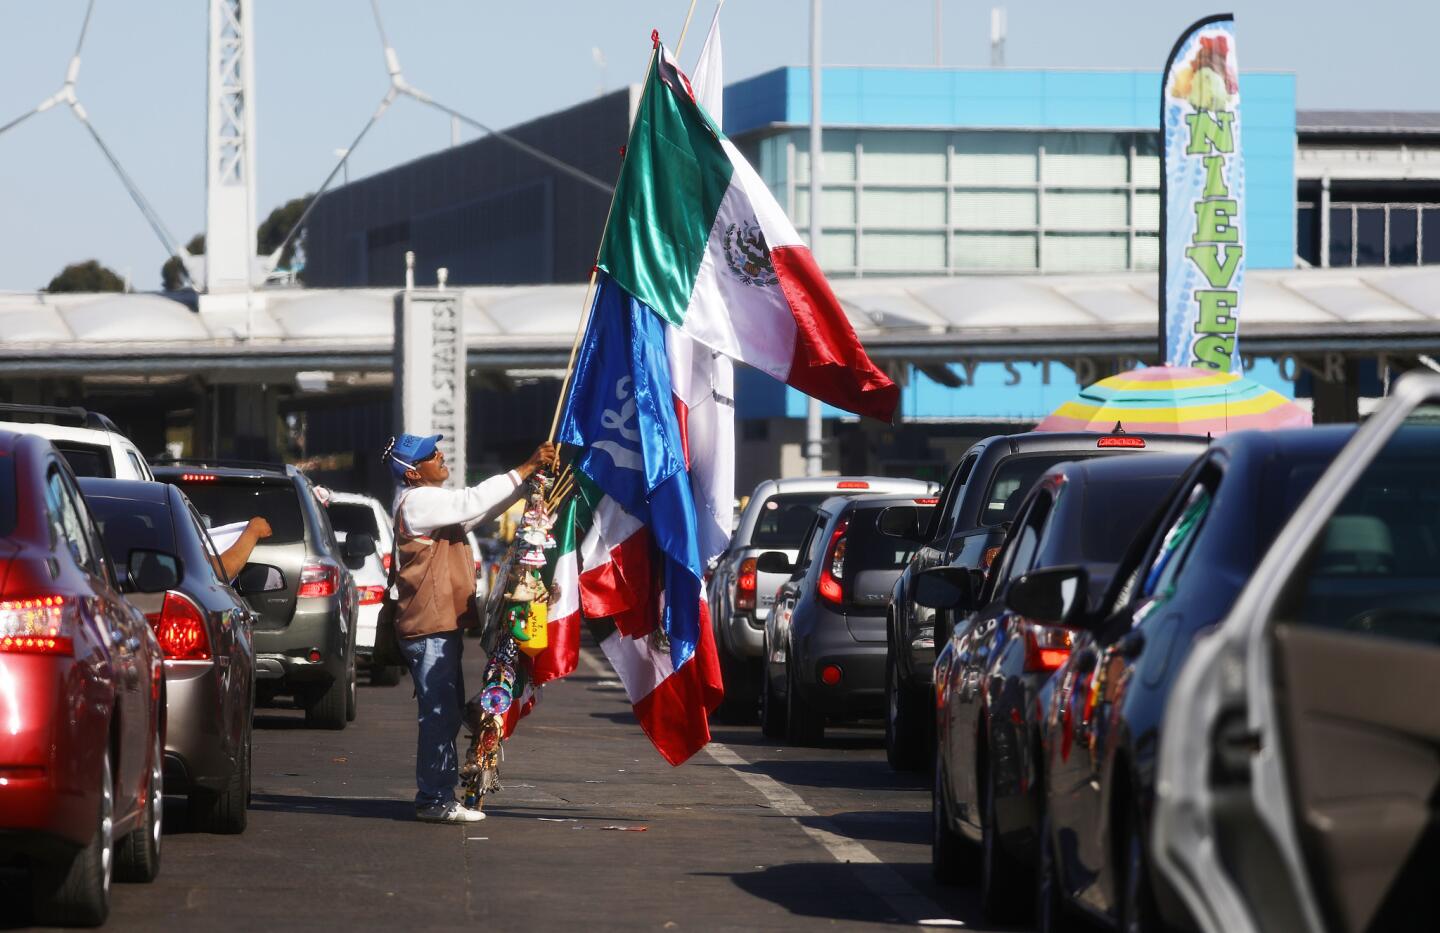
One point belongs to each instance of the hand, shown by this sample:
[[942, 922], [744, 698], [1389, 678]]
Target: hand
[[259, 527], [546, 455]]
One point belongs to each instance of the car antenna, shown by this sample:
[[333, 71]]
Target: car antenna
[[1119, 428]]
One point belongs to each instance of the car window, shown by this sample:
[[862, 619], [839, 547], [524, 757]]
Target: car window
[[224, 503], [137, 464], [353, 518], [9, 496], [1020, 547], [1013, 478], [67, 521], [216, 571], [1178, 542], [813, 541], [1375, 569], [87, 459], [1112, 512], [126, 524], [867, 549], [949, 505], [784, 519]]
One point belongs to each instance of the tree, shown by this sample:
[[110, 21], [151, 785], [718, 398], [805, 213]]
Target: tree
[[278, 226], [172, 274], [87, 276]]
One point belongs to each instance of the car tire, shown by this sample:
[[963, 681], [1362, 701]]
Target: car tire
[[804, 724], [1138, 911], [739, 706], [1002, 878], [328, 708], [352, 692], [225, 812], [137, 855], [385, 675], [952, 858], [772, 708], [906, 734], [1052, 914], [77, 892]]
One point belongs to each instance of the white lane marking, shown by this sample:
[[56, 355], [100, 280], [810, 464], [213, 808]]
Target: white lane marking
[[881, 880]]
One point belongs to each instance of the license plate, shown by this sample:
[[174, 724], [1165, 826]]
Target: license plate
[[767, 600]]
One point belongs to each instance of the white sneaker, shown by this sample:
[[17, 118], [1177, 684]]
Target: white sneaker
[[451, 812]]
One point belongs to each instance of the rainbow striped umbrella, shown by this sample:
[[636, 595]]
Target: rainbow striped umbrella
[[1176, 400]]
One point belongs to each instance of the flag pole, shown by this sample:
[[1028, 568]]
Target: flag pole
[[684, 29], [586, 309]]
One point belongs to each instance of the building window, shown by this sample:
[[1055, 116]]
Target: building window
[[971, 201], [1370, 234]]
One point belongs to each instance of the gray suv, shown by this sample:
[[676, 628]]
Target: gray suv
[[297, 581]]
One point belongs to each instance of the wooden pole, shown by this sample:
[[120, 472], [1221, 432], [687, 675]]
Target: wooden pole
[[684, 29]]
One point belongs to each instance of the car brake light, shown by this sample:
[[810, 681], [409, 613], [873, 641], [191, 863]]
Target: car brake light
[[852, 484], [180, 628], [930, 501], [1121, 440], [745, 585], [832, 569], [319, 578], [198, 477], [371, 595], [1046, 649], [40, 625]]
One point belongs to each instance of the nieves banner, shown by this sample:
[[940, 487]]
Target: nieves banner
[[1202, 261]]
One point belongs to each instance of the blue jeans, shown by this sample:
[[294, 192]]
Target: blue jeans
[[434, 662]]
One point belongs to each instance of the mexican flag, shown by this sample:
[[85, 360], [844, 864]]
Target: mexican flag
[[562, 652], [696, 235]]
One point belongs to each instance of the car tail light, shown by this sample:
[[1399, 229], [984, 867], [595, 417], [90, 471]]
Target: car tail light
[[830, 675], [1121, 440], [40, 625], [371, 595], [180, 628], [852, 484], [832, 569], [386, 561], [1046, 649], [989, 557], [745, 585], [319, 578], [930, 500], [198, 477]]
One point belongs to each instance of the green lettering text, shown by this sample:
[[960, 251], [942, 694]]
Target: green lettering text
[[1217, 312], [1213, 353], [1207, 134], [1216, 272], [1215, 177], [1215, 221]]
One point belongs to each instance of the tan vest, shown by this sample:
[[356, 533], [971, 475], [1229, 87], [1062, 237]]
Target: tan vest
[[435, 581]]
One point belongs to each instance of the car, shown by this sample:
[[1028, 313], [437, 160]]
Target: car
[[352, 513], [978, 501], [1297, 758], [169, 570], [1102, 720], [297, 581], [775, 518], [825, 644], [83, 698], [91, 442], [997, 659]]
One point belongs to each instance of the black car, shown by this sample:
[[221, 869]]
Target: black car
[[977, 503], [170, 571], [987, 677], [296, 580], [1101, 725], [825, 642]]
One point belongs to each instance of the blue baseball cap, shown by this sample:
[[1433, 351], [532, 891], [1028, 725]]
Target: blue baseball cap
[[407, 450]]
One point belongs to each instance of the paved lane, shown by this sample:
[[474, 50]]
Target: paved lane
[[746, 836]]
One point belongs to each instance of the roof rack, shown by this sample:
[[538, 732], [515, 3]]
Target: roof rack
[[53, 413], [209, 463]]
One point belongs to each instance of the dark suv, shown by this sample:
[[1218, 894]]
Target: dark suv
[[976, 507], [297, 582]]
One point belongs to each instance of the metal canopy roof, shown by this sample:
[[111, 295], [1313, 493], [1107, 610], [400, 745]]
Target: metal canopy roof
[[931, 319]]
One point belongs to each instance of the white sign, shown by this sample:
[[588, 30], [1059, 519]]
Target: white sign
[[430, 370]]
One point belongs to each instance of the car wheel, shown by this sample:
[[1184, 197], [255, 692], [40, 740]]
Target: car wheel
[[739, 703], [1138, 913], [1002, 893], [906, 747], [772, 708], [951, 857], [1051, 912], [327, 708], [77, 893], [805, 725], [352, 691], [385, 675], [225, 812], [137, 856]]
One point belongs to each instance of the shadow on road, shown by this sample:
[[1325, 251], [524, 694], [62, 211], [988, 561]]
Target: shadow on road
[[278, 720], [908, 826], [837, 772], [364, 808], [833, 891]]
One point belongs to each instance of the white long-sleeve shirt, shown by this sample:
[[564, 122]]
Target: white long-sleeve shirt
[[427, 508]]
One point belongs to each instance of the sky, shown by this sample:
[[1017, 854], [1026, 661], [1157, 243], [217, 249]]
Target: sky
[[320, 72]]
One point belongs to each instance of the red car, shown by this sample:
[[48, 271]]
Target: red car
[[81, 698]]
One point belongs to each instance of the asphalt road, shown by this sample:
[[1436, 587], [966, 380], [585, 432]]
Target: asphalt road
[[592, 831]]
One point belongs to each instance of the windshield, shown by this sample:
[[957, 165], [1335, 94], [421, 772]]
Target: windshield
[[785, 518], [1014, 478], [8, 495], [1114, 511], [87, 459], [353, 518], [126, 524], [222, 503]]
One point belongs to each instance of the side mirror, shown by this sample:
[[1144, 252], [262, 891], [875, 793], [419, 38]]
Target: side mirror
[[358, 546], [259, 578], [774, 562], [151, 571], [946, 588], [1053, 596], [900, 521]]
